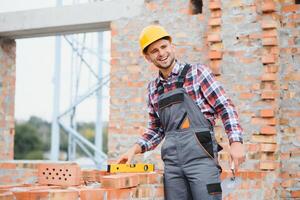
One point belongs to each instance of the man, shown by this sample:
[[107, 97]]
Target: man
[[183, 102]]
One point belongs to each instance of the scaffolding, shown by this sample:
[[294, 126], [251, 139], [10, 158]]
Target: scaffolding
[[67, 119]]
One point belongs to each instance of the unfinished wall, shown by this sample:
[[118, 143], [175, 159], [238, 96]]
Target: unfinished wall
[[131, 73], [253, 49], [252, 46], [7, 97], [289, 113]]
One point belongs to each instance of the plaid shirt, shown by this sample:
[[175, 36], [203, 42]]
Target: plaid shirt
[[206, 92]]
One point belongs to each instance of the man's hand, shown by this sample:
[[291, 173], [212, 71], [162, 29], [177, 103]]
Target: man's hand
[[128, 156], [237, 154]]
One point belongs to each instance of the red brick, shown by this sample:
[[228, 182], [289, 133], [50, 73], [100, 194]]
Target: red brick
[[65, 174], [34, 194], [92, 193], [268, 130], [263, 138], [92, 175], [295, 193], [263, 121], [215, 66], [214, 38], [268, 24], [120, 193], [288, 183], [269, 41], [270, 33], [269, 77], [268, 6], [268, 165], [214, 21], [291, 8], [216, 13], [271, 68], [120, 181], [267, 113], [268, 59], [8, 165], [144, 191], [246, 95], [7, 196], [268, 147], [59, 194], [268, 95], [149, 178], [215, 55], [215, 5]]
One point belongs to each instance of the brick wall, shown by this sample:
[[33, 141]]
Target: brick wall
[[241, 41], [7, 97], [130, 73], [289, 112], [253, 49]]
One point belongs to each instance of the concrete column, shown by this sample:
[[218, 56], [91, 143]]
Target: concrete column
[[7, 97]]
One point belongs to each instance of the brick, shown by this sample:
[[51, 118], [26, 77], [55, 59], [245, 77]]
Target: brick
[[268, 130], [269, 77], [216, 13], [270, 33], [120, 193], [268, 147], [246, 95], [67, 174], [59, 194], [268, 6], [295, 193], [215, 5], [268, 165], [264, 138], [92, 175], [7, 196], [288, 183], [267, 113], [292, 77], [120, 181], [268, 95], [214, 38], [269, 24], [215, 66], [214, 21], [290, 8], [150, 178], [215, 55], [269, 41], [92, 193], [268, 59]]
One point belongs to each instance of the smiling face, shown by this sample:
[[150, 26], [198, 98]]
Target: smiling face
[[162, 54]]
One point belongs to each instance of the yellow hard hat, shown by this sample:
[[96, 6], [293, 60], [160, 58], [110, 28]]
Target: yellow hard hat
[[152, 33]]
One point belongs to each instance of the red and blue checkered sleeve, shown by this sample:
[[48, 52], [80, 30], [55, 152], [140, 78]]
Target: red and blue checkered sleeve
[[216, 97], [154, 134]]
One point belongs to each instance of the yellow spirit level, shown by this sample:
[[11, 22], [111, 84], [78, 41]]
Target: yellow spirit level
[[130, 168]]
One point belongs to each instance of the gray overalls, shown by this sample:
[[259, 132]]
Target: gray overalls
[[189, 152]]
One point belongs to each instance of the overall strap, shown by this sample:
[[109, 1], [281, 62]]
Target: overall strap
[[160, 88], [181, 77]]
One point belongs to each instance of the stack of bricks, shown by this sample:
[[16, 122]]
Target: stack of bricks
[[55, 181]]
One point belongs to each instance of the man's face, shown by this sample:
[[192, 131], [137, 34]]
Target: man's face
[[161, 53]]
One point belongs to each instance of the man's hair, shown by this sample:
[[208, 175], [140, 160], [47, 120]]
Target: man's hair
[[163, 38]]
